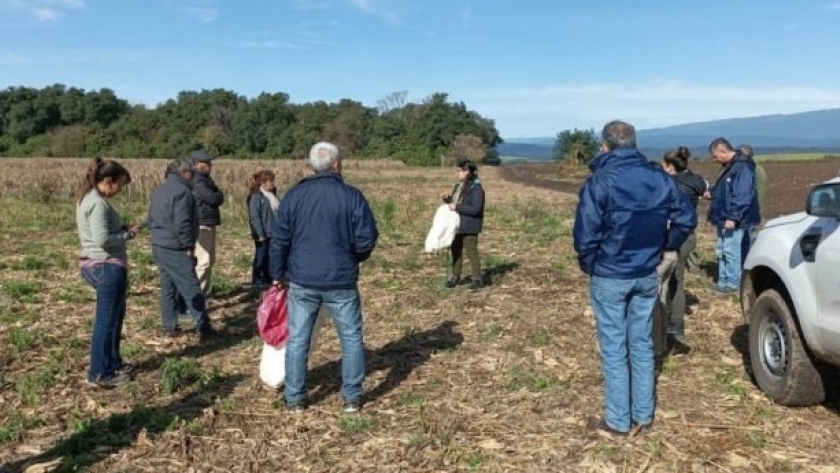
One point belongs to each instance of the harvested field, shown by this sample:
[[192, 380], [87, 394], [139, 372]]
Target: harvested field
[[496, 380]]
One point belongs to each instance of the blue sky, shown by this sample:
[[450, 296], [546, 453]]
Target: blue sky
[[534, 66]]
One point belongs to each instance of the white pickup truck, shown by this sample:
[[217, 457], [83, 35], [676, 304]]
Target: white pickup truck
[[790, 297]]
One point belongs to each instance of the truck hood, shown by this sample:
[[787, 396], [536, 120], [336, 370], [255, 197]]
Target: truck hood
[[787, 220]]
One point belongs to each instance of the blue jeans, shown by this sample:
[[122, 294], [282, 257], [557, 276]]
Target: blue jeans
[[346, 308], [623, 317], [179, 281], [729, 248], [111, 283], [259, 268]]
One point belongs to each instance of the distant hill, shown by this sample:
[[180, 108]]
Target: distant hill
[[815, 131]]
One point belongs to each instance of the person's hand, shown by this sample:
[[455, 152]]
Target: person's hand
[[729, 225], [707, 195], [263, 239], [134, 230], [452, 207], [279, 284], [446, 197]]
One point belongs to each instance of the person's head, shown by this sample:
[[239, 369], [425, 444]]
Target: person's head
[[746, 150], [202, 161], [325, 157], [263, 179], [466, 170], [676, 161], [721, 150], [106, 176], [180, 167], [617, 134]]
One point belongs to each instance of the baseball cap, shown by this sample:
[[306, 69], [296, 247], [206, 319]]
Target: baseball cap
[[200, 155]]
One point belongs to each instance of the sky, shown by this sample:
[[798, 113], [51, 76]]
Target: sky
[[536, 67]]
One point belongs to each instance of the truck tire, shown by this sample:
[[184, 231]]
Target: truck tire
[[782, 365]]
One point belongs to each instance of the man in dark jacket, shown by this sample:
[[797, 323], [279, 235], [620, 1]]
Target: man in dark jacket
[[629, 213], [173, 224], [734, 212], [208, 199], [324, 229]]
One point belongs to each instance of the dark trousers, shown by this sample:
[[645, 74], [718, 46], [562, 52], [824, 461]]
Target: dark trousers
[[111, 284], [675, 303], [259, 268], [178, 279], [465, 243]]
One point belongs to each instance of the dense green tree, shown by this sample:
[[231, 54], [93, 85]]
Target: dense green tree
[[577, 146], [62, 121]]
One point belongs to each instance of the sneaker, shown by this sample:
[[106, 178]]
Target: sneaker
[[451, 283], [126, 368], [296, 407], [352, 407], [723, 290], [641, 429], [114, 381], [171, 333], [680, 347], [596, 425]]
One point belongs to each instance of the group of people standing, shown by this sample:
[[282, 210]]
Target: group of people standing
[[634, 235], [182, 218]]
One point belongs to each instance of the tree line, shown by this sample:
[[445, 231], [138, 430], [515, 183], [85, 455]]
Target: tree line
[[66, 121]]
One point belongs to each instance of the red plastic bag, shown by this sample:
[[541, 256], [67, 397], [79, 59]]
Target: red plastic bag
[[273, 317]]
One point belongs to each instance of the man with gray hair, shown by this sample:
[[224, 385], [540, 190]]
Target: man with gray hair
[[323, 231], [173, 224], [629, 214]]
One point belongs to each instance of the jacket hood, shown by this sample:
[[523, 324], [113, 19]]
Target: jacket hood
[[616, 156]]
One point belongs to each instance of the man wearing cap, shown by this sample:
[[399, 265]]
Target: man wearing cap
[[174, 227], [208, 199]]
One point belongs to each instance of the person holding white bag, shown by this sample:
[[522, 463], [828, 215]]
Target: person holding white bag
[[467, 199]]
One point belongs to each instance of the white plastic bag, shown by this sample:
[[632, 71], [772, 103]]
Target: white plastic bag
[[444, 226], [273, 359]]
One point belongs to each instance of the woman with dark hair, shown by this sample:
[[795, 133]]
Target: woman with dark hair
[[262, 208], [104, 265], [467, 198], [693, 186]]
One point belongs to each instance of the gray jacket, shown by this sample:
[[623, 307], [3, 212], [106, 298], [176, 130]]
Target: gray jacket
[[173, 220], [100, 228], [261, 217]]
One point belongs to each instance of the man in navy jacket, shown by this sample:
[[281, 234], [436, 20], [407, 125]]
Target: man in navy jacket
[[629, 213], [174, 226], [734, 212], [324, 229]]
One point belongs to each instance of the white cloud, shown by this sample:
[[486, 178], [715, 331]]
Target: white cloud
[[204, 11], [381, 9], [42, 10], [543, 111]]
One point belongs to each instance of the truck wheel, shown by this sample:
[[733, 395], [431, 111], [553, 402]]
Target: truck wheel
[[782, 365]]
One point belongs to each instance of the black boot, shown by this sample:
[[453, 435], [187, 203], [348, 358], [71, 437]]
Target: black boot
[[451, 283], [477, 283]]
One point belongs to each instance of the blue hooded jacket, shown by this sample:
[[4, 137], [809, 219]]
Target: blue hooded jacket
[[323, 230], [628, 213], [734, 195]]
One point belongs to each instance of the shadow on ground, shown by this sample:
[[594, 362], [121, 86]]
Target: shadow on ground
[[400, 358]]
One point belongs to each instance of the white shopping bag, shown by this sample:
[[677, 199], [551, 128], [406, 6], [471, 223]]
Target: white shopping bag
[[273, 359]]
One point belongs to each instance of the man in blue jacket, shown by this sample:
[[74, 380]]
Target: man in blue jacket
[[324, 229], [734, 212], [174, 227], [629, 213]]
